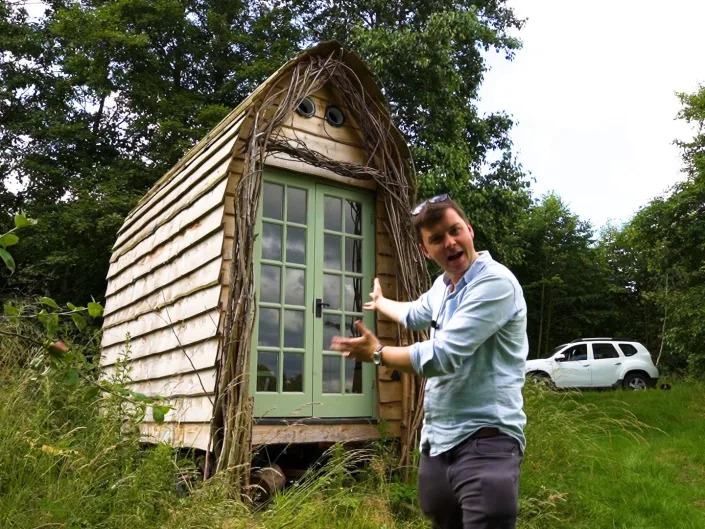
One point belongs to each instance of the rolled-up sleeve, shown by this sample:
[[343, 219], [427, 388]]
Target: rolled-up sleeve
[[417, 314], [487, 306]]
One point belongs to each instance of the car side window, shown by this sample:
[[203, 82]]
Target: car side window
[[628, 349], [575, 353], [603, 351]]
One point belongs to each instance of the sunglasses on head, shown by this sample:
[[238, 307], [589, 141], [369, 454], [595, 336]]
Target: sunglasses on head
[[433, 200]]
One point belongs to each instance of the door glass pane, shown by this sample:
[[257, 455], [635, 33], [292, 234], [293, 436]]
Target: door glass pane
[[270, 283], [293, 372], [296, 205], [353, 217], [331, 291], [331, 252], [267, 371], [331, 374], [331, 327], [332, 213], [271, 241], [295, 286], [353, 376], [273, 201], [294, 328], [296, 245], [353, 255], [353, 294], [350, 329], [268, 327]]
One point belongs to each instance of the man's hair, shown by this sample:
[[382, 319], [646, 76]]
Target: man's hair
[[432, 213]]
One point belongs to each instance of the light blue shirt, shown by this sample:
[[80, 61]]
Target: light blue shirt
[[475, 358]]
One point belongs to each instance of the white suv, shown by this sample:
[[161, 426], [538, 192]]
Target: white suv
[[596, 363]]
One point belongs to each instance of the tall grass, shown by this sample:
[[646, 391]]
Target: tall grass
[[70, 458]]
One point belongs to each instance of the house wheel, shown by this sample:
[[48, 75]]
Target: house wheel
[[266, 481], [635, 381]]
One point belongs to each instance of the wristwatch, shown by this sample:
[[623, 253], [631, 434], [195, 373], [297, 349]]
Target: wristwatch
[[377, 356]]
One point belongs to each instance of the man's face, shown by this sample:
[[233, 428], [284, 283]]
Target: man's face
[[450, 243]]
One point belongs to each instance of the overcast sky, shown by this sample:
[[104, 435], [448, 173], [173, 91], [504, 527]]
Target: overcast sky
[[592, 93]]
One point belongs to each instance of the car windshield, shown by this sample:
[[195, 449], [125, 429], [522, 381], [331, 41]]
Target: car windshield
[[554, 351]]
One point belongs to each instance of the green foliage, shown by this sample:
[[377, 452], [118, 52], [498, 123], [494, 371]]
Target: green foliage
[[428, 58], [102, 98], [563, 275]]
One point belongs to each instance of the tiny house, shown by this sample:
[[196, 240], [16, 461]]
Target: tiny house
[[230, 277]]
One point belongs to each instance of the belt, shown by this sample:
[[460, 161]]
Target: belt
[[486, 431]]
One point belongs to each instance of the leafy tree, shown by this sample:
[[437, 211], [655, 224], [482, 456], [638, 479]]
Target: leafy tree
[[100, 99], [661, 251], [428, 56], [563, 276]]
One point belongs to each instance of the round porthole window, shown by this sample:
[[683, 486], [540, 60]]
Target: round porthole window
[[335, 116], [307, 108]]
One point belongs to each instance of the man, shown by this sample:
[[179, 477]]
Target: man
[[472, 440]]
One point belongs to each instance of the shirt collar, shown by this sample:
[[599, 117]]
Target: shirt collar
[[476, 267]]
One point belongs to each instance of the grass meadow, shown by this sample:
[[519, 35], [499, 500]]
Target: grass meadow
[[594, 460]]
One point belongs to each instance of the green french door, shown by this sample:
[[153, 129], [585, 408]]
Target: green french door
[[314, 267]]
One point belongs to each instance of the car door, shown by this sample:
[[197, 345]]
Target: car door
[[605, 364], [572, 371]]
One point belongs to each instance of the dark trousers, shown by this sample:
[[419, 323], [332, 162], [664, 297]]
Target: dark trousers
[[475, 485]]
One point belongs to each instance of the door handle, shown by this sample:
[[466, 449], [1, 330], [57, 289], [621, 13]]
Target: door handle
[[618, 363], [319, 307]]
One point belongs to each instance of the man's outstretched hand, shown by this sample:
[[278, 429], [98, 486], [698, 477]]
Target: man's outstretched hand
[[360, 347], [376, 294]]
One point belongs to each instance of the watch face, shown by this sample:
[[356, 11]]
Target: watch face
[[377, 357]]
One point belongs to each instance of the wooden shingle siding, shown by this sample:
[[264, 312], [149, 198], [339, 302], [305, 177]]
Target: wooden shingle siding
[[196, 409], [389, 393], [203, 217], [138, 265], [177, 434], [174, 218], [158, 270], [195, 383], [161, 197], [155, 292], [182, 333], [154, 320], [198, 356]]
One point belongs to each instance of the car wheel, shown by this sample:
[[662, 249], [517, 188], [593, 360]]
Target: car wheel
[[635, 382], [541, 379]]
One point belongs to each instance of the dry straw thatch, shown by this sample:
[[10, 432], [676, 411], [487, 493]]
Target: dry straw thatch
[[389, 165]]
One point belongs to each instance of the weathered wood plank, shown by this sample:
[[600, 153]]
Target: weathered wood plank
[[154, 277], [185, 219], [183, 333], [390, 411], [324, 433], [196, 189], [184, 167], [317, 126], [192, 383], [139, 264], [285, 161], [389, 391], [187, 409], [192, 357], [167, 316], [332, 149], [177, 434], [141, 302]]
